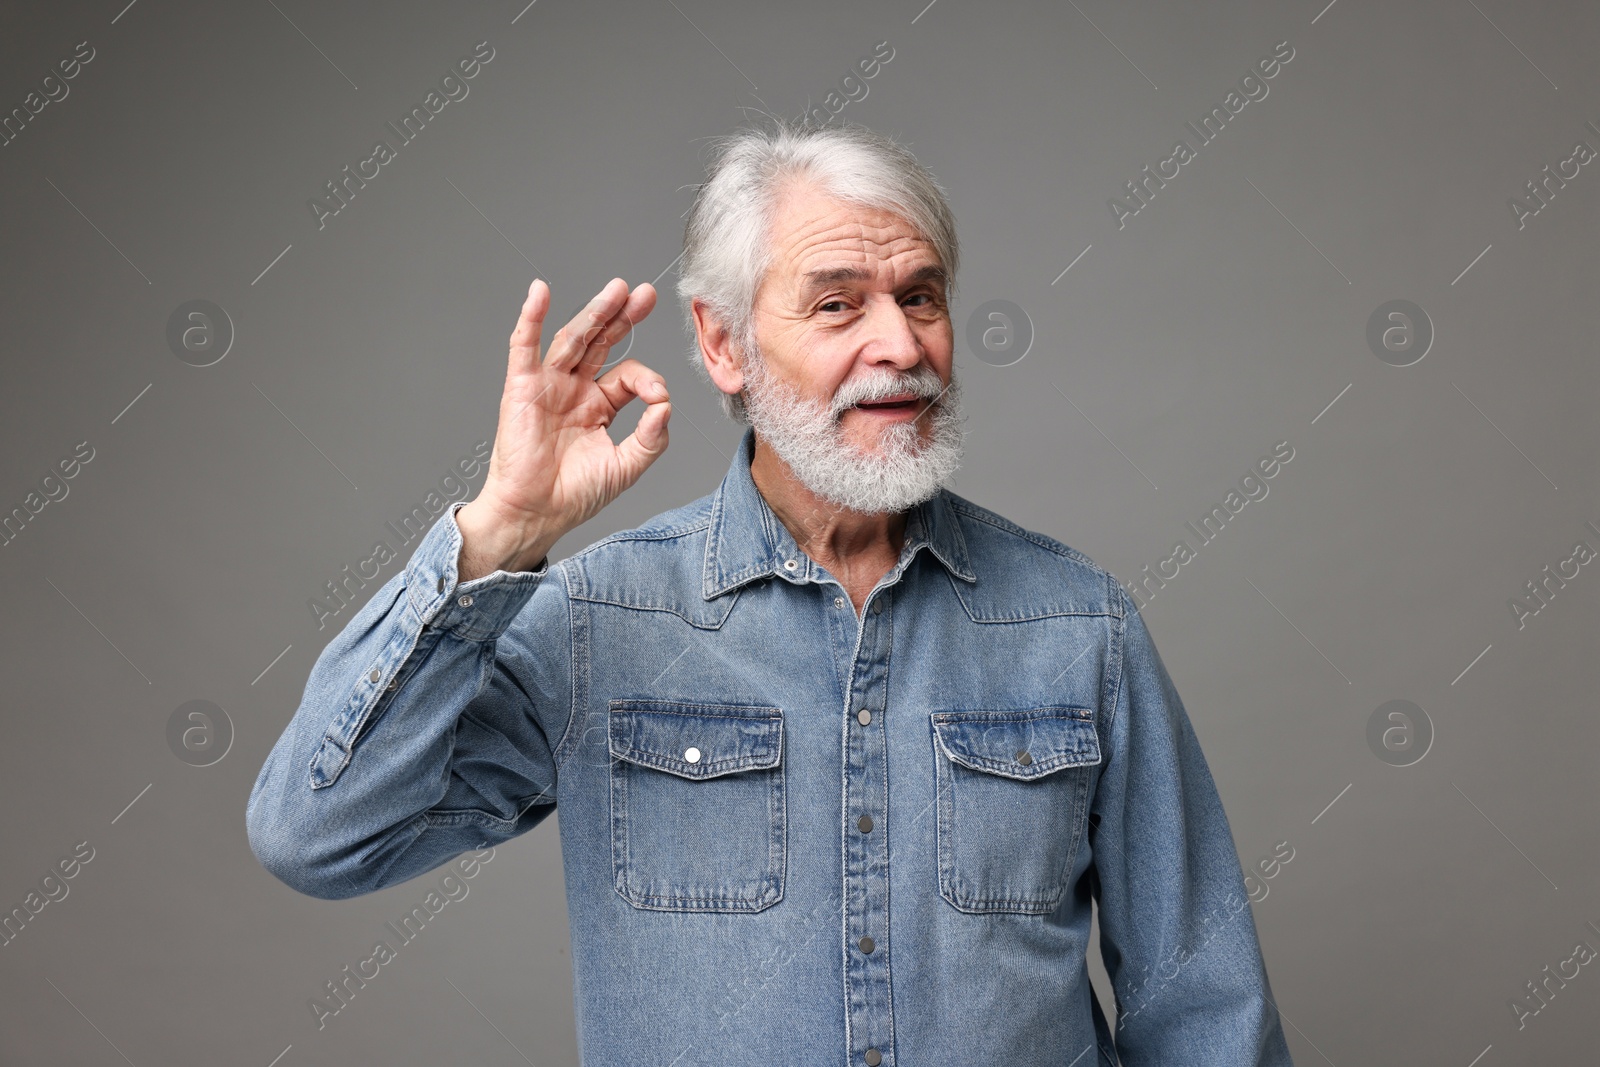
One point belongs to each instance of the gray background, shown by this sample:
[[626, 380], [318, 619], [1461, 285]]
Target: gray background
[[1227, 316]]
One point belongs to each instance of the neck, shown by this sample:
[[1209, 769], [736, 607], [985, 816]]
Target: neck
[[851, 545]]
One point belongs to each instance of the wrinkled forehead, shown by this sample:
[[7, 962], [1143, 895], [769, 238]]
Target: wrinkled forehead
[[817, 238]]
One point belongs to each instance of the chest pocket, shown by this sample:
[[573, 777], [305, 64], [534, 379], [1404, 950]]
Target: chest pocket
[[697, 805], [1013, 798]]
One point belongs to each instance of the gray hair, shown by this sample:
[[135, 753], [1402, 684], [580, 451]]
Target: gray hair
[[726, 246]]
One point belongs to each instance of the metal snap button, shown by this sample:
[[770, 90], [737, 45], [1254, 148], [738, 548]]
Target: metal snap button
[[838, 601], [789, 564], [375, 675], [867, 944], [441, 583], [873, 1057], [864, 824], [877, 607], [466, 600], [863, 716], [691, 754], [1023, 757]]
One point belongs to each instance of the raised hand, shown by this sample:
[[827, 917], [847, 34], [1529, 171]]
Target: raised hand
[[554, 466]]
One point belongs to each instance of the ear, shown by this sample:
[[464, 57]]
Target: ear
[[717, 348]]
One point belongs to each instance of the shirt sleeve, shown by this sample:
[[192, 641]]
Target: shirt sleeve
[[1176, 932], [428, 726]]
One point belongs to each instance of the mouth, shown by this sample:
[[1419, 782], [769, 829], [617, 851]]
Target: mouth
[[899, 404]]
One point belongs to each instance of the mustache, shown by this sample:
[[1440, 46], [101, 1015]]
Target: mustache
[[924, 384]]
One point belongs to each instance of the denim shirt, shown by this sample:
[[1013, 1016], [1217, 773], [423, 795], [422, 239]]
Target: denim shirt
[[792, 835]]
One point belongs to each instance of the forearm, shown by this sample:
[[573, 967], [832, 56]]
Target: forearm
[[342, 805]]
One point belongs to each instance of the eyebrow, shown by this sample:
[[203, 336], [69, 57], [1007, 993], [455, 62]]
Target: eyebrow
[[817, 280]]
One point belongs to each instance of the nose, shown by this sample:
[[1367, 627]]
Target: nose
[[890, 338]]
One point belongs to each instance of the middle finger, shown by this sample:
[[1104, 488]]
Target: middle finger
[[569, 343], [597, 354]]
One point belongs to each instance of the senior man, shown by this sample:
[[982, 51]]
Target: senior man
[[842, 758]]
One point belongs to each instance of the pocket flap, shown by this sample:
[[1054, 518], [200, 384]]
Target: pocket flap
[[695, 740], [1019, 744]]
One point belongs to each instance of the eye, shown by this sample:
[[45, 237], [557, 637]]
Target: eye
[[832, 306]]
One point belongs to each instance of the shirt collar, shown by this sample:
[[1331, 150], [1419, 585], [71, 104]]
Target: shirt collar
[[747, 541]]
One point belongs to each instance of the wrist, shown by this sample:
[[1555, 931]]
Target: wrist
[[492, 540]]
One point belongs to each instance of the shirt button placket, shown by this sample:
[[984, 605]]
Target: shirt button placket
[[868, 998]]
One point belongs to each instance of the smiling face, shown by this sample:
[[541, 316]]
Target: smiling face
[[850, 383], [854, 309]]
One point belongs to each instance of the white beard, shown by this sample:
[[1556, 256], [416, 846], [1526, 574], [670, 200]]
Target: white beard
[[808, 437]]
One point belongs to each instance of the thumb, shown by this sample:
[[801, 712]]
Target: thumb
[[647, 442]]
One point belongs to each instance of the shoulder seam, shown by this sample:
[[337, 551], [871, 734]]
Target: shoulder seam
[[1044, 541], [645, 533]]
